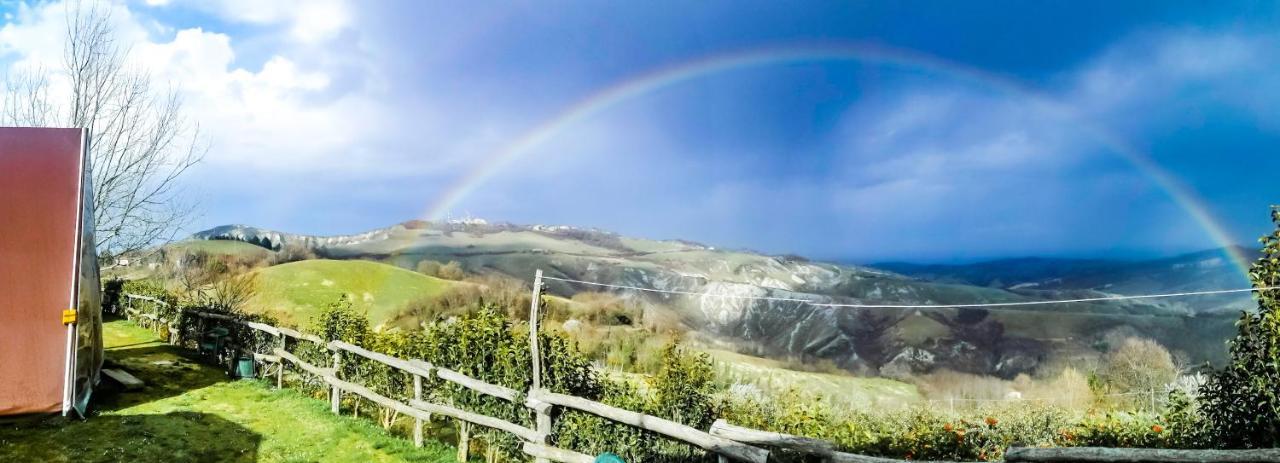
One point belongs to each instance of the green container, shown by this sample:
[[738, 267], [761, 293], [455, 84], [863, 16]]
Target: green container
[[609, 458], [244, 367]]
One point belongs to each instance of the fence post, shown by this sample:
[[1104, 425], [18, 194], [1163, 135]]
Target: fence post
[[533, 330], [417, 422], [175, 331], [464, 440], [542, 412], [284, 345], [335, 396]]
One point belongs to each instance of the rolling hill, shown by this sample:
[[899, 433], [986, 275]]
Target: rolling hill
[[296, 291], [873, 341]]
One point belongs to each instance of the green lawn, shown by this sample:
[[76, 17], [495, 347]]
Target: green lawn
[[295, 292], [191, 412]]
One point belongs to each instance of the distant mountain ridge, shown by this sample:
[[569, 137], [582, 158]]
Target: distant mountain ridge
[[883, 341], [1195, 271]]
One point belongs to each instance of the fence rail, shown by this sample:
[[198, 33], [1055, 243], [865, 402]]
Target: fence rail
[[723, 439], [1112, 455]]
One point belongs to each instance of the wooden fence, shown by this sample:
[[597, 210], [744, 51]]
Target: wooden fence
[[727, 441]]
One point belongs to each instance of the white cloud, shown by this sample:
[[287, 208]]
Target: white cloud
[[1155, 67], [308, 21], [268, 118]]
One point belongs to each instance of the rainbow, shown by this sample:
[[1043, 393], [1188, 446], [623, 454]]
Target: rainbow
[[649, 82]]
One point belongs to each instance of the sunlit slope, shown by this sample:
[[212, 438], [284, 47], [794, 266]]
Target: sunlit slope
[[295, 292], [220, 247], [838, 388]]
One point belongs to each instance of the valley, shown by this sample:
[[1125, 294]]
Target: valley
[[375, 269]]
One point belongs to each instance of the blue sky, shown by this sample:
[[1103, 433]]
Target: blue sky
[[332, 117]]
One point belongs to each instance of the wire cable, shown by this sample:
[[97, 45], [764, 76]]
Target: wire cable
[[923, 306]]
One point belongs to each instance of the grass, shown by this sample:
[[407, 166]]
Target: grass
[[295, 292], [839, 389], [192, 412], [220, 247]]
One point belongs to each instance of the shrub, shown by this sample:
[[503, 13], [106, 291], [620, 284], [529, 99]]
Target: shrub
[[292, 252], [1138, 365], [428, 267], [451, 271], [1242, 401]]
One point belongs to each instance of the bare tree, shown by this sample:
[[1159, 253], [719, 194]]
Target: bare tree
[[140, 145]]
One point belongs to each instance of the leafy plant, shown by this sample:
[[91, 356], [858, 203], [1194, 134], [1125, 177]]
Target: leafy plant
[[1242, 401]]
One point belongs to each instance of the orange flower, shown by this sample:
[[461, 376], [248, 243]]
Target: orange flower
[[948, 427], [1157, 428], [991, 421]]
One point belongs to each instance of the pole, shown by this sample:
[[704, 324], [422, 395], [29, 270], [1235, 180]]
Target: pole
[[417, 422], [280, 363], [533, 330], [335, 396]]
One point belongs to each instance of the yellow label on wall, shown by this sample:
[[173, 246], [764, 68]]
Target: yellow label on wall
[[68, 317]]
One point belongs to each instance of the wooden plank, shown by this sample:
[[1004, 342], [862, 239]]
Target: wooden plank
[[299, 335], [404, 365], [476, 418], [808, 445], [533, 329], [1109, 455], [146, 298], [841, 457], [309, 368], [674, 430], [375, 397], [265, 328], [216, 316], [501, 392], [124, 378], [266, 358], [543, 451]]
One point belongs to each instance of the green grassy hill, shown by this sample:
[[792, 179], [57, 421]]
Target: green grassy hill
[[295, 292], [220, 247]]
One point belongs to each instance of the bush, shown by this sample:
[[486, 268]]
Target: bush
[[292, 252], [683, 390], [1138, 365], [429, 267], [457, 300], [451, 271], [1241, 402]]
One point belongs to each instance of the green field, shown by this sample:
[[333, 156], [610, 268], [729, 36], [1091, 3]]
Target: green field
[[295, 292], [220, 247], [192, 412], [839, 389]]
